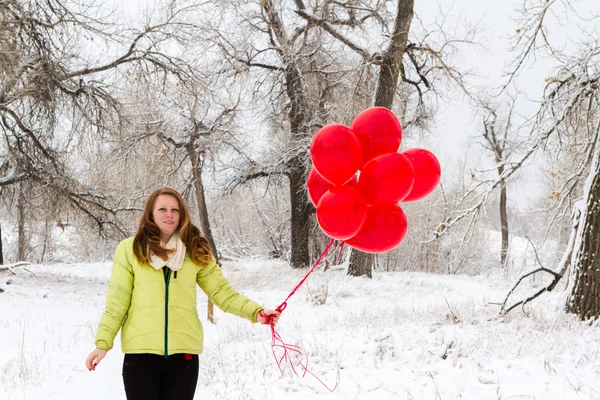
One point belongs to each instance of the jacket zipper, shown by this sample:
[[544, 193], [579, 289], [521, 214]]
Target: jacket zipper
[[167, 274]]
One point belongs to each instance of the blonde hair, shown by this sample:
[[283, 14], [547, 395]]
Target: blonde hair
[[147, 238]]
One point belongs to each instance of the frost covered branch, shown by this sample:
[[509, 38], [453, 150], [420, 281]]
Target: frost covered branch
[[557, 273]]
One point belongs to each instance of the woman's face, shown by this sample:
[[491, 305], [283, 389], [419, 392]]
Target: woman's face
[[166, 215]]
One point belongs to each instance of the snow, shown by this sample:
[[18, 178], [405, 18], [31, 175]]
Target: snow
[[397, 336]]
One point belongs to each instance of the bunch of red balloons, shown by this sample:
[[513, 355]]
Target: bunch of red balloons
[[363, 211]]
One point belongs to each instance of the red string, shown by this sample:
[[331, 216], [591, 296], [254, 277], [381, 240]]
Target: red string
[[341, 251], [283, 305], [291, 351]]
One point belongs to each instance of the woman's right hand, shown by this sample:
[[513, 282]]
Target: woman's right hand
[[94, 359]]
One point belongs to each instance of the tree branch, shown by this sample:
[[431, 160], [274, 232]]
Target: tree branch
[[583, 86], [375, 59], [557, 274]]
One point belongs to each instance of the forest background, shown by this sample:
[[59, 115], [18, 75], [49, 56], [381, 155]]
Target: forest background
[[220, 99]]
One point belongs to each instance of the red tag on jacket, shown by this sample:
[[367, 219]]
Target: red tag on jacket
[[188, 357]]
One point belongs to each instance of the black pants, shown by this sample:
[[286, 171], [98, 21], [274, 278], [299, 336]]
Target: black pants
[[154, 377]]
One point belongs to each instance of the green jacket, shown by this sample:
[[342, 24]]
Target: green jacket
[[140, 299]]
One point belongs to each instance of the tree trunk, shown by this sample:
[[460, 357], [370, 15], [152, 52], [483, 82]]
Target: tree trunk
[[503, 214], [498, 146], [201, 199], [391, 65], [504, 224], [300, 220], [298, 116], [361, 264], [585, 296], [1, 252], [300, 224], [21, 244], [194, 157]]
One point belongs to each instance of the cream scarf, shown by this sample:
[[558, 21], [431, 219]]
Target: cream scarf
[[175, 259]]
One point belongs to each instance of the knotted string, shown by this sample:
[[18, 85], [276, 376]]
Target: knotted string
[[291, 350]]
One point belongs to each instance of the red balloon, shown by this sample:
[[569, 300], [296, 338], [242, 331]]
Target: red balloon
[[352, 183], [387, 178], [427, 173], [378, 131], [383, 229], [336, 154], [341, 212], [317, 186]]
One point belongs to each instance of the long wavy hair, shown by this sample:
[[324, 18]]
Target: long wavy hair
[[147, 238]]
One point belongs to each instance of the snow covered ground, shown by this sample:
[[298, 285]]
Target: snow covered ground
[[398, 336]]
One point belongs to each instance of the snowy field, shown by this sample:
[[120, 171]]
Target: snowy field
[[398, 336]]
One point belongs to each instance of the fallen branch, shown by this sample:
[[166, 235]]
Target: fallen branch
[[11, 267], [558, 273]]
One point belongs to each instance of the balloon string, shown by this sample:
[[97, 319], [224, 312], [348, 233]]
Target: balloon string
[[283, 305], [290, 351], [341, 251]]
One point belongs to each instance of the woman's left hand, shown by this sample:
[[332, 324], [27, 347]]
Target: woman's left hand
[[268, 317]]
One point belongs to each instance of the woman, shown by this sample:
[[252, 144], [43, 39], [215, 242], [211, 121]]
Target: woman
[[152, 295]]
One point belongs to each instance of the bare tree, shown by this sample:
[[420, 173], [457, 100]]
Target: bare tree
[[197, 139], [532, 38], [53, 96], [570, 108], [286, 52], [496, 135]]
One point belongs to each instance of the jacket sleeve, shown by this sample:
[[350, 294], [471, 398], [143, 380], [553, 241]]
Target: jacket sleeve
[[118, 299], [219, 291]]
